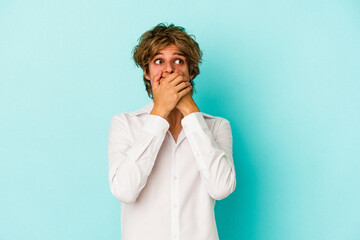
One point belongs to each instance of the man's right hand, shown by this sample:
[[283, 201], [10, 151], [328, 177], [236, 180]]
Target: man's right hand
[[168, 91]]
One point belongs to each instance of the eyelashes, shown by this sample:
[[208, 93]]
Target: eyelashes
[[156, 61]]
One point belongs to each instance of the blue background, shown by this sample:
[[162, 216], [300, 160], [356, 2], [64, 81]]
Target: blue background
[[284, 73]]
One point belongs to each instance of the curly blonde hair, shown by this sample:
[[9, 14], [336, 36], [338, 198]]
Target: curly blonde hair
[[158, 38]]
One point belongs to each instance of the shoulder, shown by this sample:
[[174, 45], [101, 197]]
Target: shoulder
[[140, 113], [214, 123], [214, 119]]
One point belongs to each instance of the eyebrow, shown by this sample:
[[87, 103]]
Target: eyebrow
[[179, 54]]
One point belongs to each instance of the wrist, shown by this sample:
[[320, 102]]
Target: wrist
[[156, 111], [188, 111]]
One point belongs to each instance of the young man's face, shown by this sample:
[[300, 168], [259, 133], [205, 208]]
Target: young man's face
[[167, 60]]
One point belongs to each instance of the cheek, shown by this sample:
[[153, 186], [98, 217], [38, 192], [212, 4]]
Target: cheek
[[185, 70], [153, 70]]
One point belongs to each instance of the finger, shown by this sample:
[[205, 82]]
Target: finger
[[178, 80], [184, 91], [181, 73], [156, 80], [181, 86], [171, 77]]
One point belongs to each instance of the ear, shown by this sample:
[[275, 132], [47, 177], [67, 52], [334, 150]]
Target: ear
[[146, 75]]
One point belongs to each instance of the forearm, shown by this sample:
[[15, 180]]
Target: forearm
[[131, 162], [213, 156]]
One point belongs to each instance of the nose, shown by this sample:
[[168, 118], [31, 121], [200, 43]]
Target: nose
[[169, 68]]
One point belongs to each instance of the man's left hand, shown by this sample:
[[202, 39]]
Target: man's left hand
[[186, 104]]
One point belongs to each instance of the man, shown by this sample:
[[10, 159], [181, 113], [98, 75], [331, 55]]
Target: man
[[169, 162]]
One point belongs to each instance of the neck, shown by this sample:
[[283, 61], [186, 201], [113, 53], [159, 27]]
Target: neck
[[174, 118]]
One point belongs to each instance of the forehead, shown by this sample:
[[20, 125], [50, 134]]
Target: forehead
[[171, 49]]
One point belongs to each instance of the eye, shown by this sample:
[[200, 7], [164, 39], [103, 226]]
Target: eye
[[157, 61], [180, 61]]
